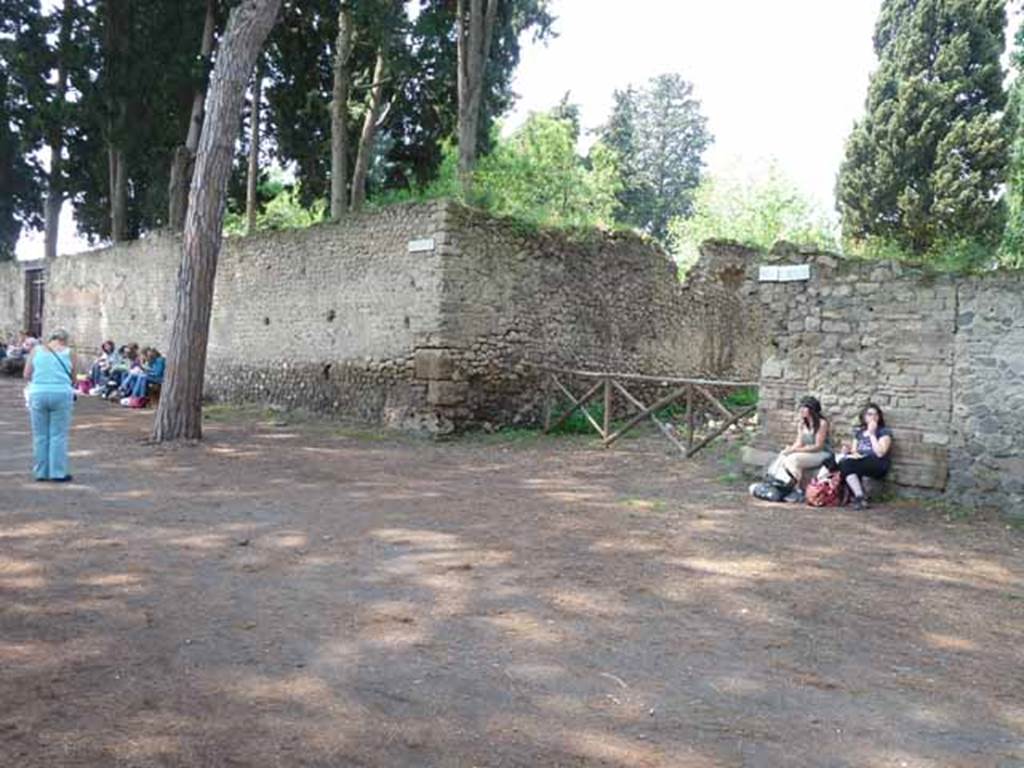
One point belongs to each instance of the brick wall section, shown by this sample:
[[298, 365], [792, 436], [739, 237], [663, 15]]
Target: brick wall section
[[857, 332], [943, 356], [987, 450]]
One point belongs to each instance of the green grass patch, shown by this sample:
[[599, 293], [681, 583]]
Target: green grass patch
[[741, 398], [647, 505], [365, 434], [576, 423]]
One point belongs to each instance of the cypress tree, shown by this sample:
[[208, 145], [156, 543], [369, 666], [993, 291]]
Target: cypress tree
[[660, 135], [927, 162]]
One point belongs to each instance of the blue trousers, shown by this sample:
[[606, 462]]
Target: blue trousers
[[51, 422], [140, 385]]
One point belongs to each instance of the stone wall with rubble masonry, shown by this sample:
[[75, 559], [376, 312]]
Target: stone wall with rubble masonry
[[987, 433], [942, 356], [347, 319], [12, 300], [601, 301], [326, 318]]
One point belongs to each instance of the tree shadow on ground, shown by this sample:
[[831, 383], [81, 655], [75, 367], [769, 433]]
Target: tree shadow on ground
[[289, 597]]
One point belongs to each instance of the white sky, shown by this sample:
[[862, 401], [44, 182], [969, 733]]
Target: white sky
[[783, 79]]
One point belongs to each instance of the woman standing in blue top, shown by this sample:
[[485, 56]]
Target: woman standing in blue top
[[870, 454], [51, 376]]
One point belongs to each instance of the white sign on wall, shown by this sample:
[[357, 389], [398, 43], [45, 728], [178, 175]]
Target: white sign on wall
[[419, 246], [786, 273]]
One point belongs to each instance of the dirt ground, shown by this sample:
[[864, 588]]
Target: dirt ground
[[305, 595]]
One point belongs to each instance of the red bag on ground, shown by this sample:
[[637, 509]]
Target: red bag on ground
[[138, 402], [825, 492]]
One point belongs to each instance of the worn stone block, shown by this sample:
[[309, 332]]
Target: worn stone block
[[434, 364], [447, 392]]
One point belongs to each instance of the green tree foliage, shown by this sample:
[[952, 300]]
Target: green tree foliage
[[281, 206], [420, 87], [426, 110], [23, 53], [137, 98], [536, 175], [659, 135], [136, 68], [1013, 243], [926, 163], [756, 212]]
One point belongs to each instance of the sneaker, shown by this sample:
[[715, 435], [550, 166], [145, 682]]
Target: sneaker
[[125, 401], [860, 503], [796, 496], [65, 479]]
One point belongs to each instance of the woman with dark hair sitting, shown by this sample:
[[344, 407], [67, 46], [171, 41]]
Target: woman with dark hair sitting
[[101, 367], [812, 446], [869, 456]]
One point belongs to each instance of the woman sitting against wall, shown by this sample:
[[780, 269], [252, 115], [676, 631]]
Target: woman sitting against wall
[[101, 367], [812, 446], [869, 455], [119, 369], [151, 375]]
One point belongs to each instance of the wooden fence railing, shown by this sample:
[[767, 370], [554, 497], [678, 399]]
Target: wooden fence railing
[[696, 393]]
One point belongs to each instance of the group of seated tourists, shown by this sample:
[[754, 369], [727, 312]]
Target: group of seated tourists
[[20, 348], [13, 354], [126, 374], [867, 455]]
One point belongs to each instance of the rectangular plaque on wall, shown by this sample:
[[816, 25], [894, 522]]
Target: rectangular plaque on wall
[[422, 245], [787, 273], [794, 272]]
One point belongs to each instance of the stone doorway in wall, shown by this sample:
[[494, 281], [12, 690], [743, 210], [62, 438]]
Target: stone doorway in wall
[[35, 297]]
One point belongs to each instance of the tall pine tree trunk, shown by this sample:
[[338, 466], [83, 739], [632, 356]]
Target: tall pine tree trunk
[[369, 133], [339, 112], [254, 153], [180, 413], [184, 156], [118, 194], [117, 42], [55, 141], [475, 28]]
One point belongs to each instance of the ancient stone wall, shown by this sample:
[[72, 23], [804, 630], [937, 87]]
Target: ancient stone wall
[[327, 317], [942, 356], [124, 293], [987, 432], [593, 301], [421, 315], [12, 300]]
